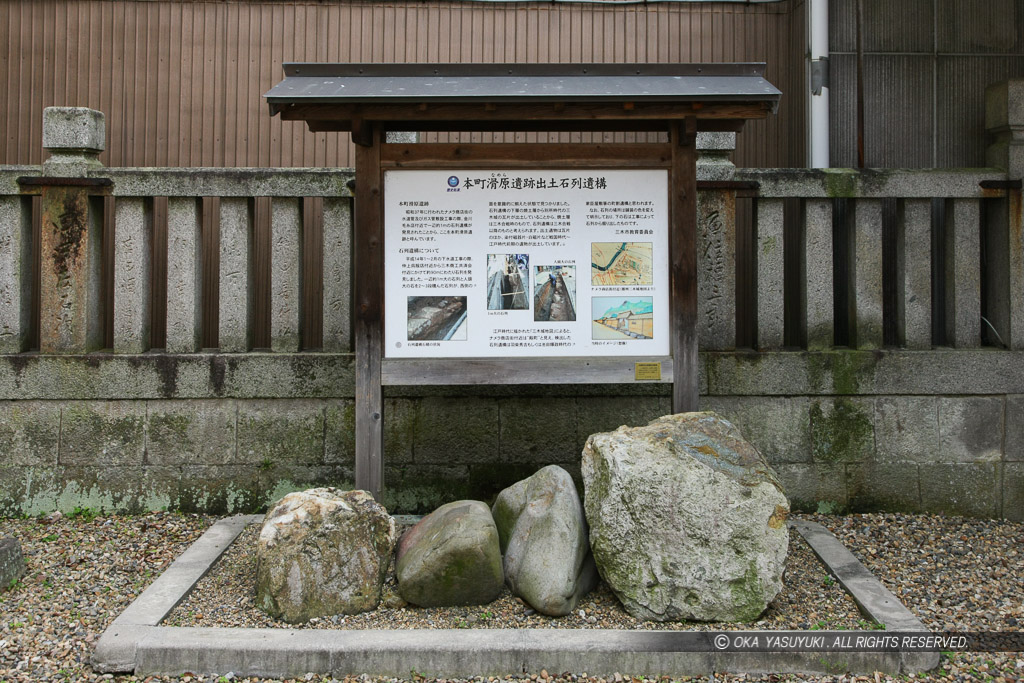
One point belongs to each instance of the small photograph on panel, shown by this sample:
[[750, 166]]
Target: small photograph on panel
[[623, 317], [554, 293], [437, 318], [508, 282], [619, 264]]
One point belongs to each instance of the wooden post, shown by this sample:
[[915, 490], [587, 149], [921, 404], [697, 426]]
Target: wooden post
[[683, 266], [368, 263]]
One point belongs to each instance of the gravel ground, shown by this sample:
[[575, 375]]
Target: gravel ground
[[82, 570]]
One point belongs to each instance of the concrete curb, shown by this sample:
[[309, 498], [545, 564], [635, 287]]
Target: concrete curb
[[116, 649], [873, 599], [135, 642]]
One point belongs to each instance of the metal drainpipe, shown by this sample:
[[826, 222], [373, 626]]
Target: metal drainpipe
[[818, 130]]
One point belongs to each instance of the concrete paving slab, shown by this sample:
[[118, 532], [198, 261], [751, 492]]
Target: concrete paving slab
[[136, 643]]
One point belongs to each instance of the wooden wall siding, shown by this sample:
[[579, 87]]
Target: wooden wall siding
[[926, 65], [181, 82]]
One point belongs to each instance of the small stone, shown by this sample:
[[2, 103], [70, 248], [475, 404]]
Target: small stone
[[12, 562], [451, 558]]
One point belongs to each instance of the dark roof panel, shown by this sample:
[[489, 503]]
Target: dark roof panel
[[310, 83]]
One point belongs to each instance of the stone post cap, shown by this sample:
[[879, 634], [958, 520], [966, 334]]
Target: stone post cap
[[1004, 125], [713, 151], [1004, 104], [74, 129], [716, 142]]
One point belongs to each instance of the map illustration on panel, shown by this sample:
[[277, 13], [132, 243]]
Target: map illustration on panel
[[623, 317], [615, 264]]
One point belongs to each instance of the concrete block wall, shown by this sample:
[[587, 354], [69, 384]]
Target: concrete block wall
[[852, 430]]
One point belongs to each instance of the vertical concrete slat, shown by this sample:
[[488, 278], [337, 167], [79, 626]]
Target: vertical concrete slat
[[184, 275], [716, 271], [866, 274], [1004, 269], [285, 274], [132, 255], [1014, 287], [236, 297], [98, 322], [15, 269], [818, 277], [914, 273], [770, 274], [963, 273], [337, 268]]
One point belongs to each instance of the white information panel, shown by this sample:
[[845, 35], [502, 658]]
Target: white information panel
[[526, 263]]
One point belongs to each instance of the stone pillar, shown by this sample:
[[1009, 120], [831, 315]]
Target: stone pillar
[[770, 274], [963, 273], [285, 274], [236, 303], [866, 274], [1004, 122], [132, 262], [70, 241], [184, 275], [337, 251], [817, 281], [15, 270], [914, 273], [716, 245]]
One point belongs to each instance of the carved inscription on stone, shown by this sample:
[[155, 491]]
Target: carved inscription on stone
[[64, 274], [712, 238], [716, 272]]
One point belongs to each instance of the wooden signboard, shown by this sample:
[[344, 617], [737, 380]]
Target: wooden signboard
[[500, 263]]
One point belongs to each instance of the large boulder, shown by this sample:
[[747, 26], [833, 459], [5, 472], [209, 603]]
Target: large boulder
[[323, 552], [543, 535], [451, 557], [687, 520]]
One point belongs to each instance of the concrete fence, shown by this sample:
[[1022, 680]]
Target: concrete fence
[[918, 275]]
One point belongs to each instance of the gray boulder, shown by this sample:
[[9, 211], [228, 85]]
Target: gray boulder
[[543, 535], [451, 557], [323, 552], [687, 520]]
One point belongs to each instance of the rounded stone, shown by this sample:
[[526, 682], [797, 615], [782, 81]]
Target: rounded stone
[[451, 557]]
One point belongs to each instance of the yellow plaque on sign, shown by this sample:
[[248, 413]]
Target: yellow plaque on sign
[[647, 371]]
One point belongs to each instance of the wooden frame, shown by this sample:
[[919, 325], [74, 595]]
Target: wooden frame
[[678, 157]]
